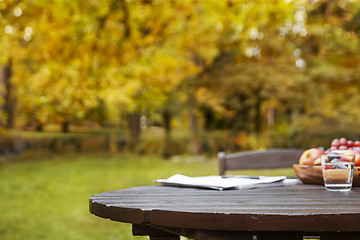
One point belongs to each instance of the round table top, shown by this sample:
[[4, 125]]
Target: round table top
[[298, 207]]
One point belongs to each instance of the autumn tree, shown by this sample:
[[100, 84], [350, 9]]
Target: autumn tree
[[253, 66]]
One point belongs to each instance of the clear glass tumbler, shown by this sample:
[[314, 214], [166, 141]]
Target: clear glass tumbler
[[337, 171]]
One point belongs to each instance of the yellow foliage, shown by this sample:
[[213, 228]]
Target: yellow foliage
[[242, 139]]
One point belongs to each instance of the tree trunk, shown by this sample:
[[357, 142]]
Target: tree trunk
[[271, 112], [8, 106], [195, 143], [65, 127], [134, 130], [39, 127], [166, 115], [208, 118], [258, 116], [167, 123]]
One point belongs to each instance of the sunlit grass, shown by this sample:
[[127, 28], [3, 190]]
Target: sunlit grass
[[47, 198]]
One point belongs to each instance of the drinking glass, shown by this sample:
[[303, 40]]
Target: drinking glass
[[337, 171]]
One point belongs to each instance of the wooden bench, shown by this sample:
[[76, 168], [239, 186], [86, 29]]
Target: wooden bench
[[268, 158]]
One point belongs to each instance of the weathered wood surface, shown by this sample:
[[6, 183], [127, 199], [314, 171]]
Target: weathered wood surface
[[269, 158], [298, 209]]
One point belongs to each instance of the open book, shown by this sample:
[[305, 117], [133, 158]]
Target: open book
[[224, 182]]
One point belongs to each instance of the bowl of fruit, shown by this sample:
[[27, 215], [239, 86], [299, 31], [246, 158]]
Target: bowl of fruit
[[309, 169]]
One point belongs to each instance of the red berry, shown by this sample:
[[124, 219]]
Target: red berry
[[350, 143], [333, 148], [335, 143], [343, 141], [342, 147], [357, 143]]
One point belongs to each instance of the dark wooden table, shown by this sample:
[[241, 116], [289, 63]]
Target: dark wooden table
[[287, 212]]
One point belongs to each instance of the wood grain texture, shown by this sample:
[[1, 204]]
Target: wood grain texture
[[296, 209], [309, 174]]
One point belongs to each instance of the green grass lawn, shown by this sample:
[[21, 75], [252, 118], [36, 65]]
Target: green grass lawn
[[47, 197]]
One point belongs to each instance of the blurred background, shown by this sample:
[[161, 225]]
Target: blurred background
[[99, 95]]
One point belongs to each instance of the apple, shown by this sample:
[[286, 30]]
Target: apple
[[350, 153], [357, 157], [317, 161], [349, 156], [357, 160], [308, 157]]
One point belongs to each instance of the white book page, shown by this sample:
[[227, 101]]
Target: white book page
[[219, 182]]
